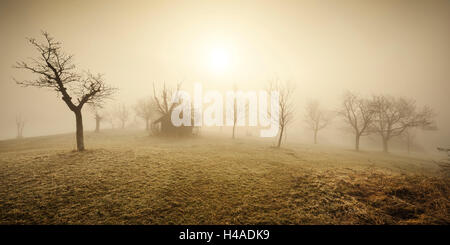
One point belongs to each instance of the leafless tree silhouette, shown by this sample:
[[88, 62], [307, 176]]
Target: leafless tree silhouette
[[285, 104], [122, 113], [358, 113], [165, 103], [233, 110], [316, 118], [97, 116], [56, 71], [409, 137], [20, 124], [393, 116], [145, 109], [110, 117]]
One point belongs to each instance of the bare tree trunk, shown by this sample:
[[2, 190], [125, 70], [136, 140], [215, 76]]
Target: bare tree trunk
[[146, 124], [20, 123], [234, 127], [79, 132], [385, 144], [357, 142], [315, 136], [281, 136], [97, 125], [409, 148], [234, 116]]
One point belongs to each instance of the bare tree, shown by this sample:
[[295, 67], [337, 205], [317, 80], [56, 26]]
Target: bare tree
[[145, 110], [409, 137], [20, 124], [316, 118], [285, 104], [109, 116], [358, 113], [247, 114], [234, 111], [163, 99], [57, 72], [393, 116], [122, 113]]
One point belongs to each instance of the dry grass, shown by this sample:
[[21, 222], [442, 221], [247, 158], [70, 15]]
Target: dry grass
[[130, 178]]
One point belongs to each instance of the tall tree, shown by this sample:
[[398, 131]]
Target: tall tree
[[56, 71], [393, 116], [316, 118], [358, 113]]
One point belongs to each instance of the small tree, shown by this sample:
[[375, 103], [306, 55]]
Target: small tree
[[145, 110], [122, 113], [164, 101], [285, 105], [358, 113], [56, 71], [110, 117], [316, 118], [20, 124], [393, 116]]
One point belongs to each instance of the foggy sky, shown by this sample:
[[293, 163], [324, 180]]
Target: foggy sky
[[395, 47]]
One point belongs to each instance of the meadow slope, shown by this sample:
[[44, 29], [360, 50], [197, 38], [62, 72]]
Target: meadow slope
[[128, 177]]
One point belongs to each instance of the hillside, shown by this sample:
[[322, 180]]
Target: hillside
[[127, 177]]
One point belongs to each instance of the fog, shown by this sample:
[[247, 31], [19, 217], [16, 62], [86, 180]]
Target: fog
[[400, 48]]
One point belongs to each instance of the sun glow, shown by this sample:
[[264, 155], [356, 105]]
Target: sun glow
[[219, 60]]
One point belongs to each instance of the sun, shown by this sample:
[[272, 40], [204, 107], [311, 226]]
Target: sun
[[219, 59]]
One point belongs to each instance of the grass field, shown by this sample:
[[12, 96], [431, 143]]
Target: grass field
[[130, 178]]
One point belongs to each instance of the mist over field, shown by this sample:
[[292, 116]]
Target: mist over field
[[330, 60], [394, 47]]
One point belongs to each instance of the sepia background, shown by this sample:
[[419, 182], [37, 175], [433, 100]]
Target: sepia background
[[369, 47]]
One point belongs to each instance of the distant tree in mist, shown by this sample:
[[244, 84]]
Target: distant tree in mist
[[20, 125], [122, 113], [409, 137], [56, 71], [97, 116], [394, 116], [109, 117], [285, 104], [316, 118], [145, 108], [166, 102], [358, 113], [163, 99]]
